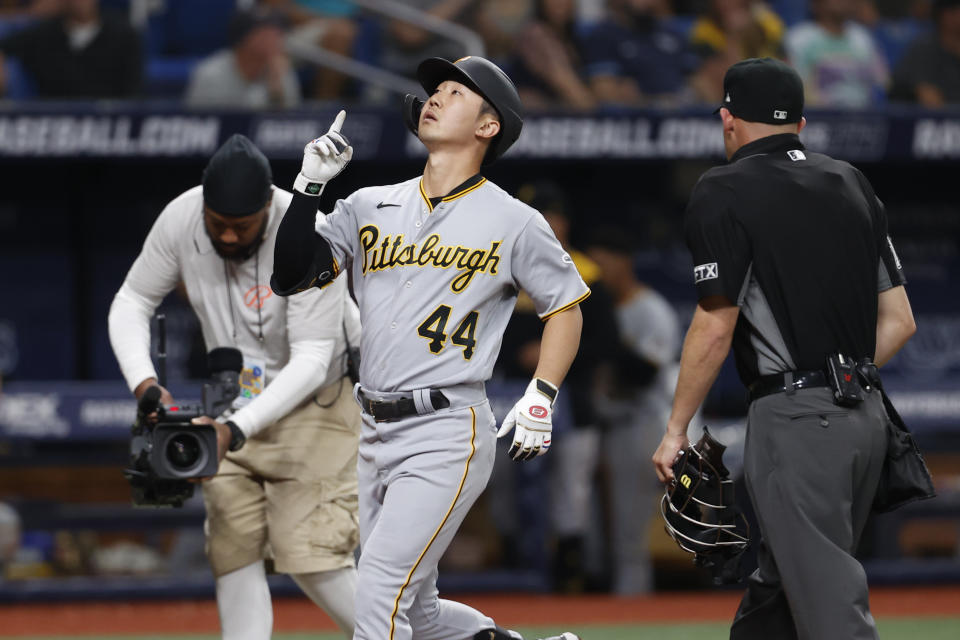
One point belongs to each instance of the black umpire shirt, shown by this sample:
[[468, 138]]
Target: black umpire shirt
[[799, 242]]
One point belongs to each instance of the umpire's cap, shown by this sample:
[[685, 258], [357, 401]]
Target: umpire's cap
[[485, 78], [763, 90], [237, 181]]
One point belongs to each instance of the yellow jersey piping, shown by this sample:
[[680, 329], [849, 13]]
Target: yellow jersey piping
[[423, 195], [452, 196], [465, 191], [566, 306]]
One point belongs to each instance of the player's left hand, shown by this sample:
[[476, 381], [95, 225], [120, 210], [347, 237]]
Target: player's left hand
[[531, 420], [324, 158]]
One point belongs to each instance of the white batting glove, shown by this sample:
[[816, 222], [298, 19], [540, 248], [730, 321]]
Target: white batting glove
[[323, 159], [532, 417]]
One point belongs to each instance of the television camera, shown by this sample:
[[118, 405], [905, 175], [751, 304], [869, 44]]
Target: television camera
[[166, 450]]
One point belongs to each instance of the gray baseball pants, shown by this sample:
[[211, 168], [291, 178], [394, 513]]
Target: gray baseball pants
[[812, 469], [418, 478]]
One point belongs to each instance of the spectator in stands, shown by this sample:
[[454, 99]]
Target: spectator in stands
[[739, 29], [77, 53], [573, 469], [838, 60], [329, 24], [902, 9], [499, 23], [549, 66], [635, 58], [634, 405], [28, 8], [730, 31], [254, 72], [406, 44], [929, 73]]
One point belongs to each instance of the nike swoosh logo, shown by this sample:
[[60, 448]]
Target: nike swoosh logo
[[382, 205]]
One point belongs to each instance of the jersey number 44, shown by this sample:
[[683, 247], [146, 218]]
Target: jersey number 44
[[434, 330]]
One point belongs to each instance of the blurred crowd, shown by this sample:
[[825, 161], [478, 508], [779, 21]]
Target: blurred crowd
[[563, 54]]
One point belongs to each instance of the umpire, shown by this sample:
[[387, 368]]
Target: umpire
[[793, 265]]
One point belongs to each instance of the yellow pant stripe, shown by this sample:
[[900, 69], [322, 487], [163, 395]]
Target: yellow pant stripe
[[463, 480]]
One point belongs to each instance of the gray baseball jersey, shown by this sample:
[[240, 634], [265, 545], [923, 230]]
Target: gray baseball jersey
[[650, 328], [437, 280]]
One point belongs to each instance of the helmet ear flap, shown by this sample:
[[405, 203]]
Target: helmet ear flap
[[412, 106]]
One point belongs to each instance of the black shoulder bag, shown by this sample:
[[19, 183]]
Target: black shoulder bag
[[905, 476]]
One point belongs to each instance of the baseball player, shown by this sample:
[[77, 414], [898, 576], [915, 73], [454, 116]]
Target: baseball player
[[292, 487], [437, 262], [634, 403]]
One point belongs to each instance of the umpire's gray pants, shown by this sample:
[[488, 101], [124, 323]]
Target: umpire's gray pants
[[812, 469]]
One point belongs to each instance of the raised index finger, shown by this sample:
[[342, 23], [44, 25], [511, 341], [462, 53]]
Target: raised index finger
[[338, 122]]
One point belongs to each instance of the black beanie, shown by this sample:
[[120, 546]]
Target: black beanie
[[237, 181]]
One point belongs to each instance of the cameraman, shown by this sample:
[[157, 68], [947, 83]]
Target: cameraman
[[293, 484]]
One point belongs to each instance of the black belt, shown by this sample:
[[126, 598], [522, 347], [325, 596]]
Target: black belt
[[391, 410], [780, 383]]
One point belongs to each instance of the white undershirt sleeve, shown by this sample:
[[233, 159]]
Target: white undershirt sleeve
[[153, 275], [303, 373], [314, 324], [129, 325]]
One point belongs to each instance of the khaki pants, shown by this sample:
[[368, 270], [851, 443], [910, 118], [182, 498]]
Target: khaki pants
[[291, 492]]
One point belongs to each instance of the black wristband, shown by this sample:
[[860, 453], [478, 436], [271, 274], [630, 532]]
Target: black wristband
[[304, 185], [237, 439], [547, 389]]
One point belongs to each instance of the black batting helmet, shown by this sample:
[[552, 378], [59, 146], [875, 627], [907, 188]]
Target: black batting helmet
[[485, 78]]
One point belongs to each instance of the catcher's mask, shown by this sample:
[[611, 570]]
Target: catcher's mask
[[700, 514]]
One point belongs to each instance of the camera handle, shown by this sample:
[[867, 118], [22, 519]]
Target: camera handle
[[149, 401], [162, 350]]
